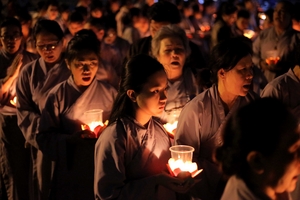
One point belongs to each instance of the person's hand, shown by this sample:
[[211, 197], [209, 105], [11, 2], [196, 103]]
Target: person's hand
[[181, 184]]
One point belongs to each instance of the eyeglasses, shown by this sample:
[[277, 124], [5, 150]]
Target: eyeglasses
[[81, 65], [48, 47], [11, 37]]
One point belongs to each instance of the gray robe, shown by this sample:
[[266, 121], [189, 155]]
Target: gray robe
[[286, 88], [178, 94], [14, 158], [61, 119], [200, 124], [33, 85], [127, 156], [285, 44], [236, 189]]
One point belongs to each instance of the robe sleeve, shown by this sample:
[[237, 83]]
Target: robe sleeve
[[50, 139], [110, 171], [190, 123], [27, 111], [271, 91]]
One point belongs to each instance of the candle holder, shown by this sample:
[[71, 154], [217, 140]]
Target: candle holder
[[93, 121], [181, 161]]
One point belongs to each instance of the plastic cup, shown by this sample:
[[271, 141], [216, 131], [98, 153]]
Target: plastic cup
[[272, 57], [182, 152], [93, 118]]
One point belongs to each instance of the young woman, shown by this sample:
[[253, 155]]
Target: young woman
[[202, 119], [132, 152], [264, 162], [34, 82], [60, 132]]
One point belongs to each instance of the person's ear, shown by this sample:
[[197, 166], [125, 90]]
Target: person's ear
[[67, 64], [132, 95], [256, 162], [221, 73]]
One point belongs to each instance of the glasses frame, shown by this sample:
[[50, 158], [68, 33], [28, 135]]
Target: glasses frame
[[47, 47], [11, 37]]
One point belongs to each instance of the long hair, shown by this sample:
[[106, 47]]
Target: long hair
[[135, 75]]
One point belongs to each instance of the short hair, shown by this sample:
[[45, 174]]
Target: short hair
[[49, 26], [226, 54], [135, 75], [11, 21], [164, 11], [98, 23], [75, 17], [241, 134], [243, 13], [23, 16], [269, 13], [169, 31], [84, 40]]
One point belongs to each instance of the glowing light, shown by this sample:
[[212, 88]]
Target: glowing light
[[13, 101]]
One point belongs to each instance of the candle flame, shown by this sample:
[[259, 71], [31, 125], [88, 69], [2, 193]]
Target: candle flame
[[170, 127], [13, 101], [183, 166]]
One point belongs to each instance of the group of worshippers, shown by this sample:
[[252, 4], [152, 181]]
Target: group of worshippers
[[245, 140]]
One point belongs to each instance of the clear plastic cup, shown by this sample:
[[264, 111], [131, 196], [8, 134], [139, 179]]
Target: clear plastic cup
[[93, 118], [182, 152], [272, 57]]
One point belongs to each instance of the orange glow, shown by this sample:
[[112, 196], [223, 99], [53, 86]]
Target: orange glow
[[13, 101]]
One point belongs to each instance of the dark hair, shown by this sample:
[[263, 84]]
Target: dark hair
[[49, 26], [84, 40], [75, 17], [96, 5], [98, 23], [269, 13], [258, 126], [23, 16], [225, 8], [128, 18], [226, 54], [289, 6], [164, 11], [135, 75], [243, 13], [52, 3], [11, 21], [82, 10]]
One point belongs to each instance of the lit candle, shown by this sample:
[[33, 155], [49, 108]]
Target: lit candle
[[96, 127], [13, 101], [171, 128]]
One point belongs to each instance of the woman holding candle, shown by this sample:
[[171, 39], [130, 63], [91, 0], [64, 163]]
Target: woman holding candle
[[60, 134], [132, 152], [14, 158], [202, 119], [264, 162], [170, 47], [35, 81]]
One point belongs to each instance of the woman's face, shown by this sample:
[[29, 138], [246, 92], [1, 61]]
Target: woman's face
[[281, 17], [284, 165], [152, 99], [171, 54], [49, 47], [11, 39], [84, 68], [237, 81]]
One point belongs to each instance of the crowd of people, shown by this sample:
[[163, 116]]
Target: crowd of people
[[226, 74]]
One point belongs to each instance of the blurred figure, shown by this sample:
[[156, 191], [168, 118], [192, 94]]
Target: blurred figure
[[225, 19], [296, 17], [273, 48], [53, 12], [268, 22], [14, 157], [264, 162], [242, 23], [75, 23], [26, 21], [251, 6]]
